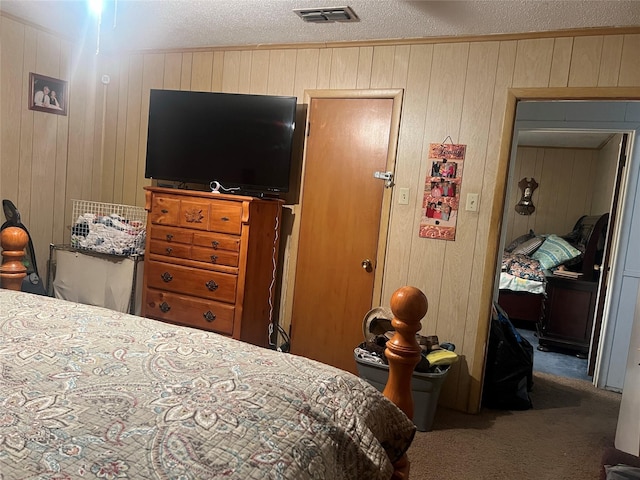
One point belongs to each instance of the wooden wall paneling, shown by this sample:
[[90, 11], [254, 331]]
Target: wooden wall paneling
[[404, 221], [578, 190], [282, 68], [26, 129], [201, 71], [630, 62], [259, 79], [12, 83], [344, 68], [305, 77], [365, 63], [444, 109], [132, 135], [478, 77], [494, 180], [244, 82], [92, 171], [585, 61], [172, 71], [77, 164], [185, 74], [477, 107], [61, 217], [152, 77], [45, 127], [382, 66], [216, 73], [122, 99], [560, 62], [231, 71], [533, 63], [306, 72], [109, 65], [610, 61], [553, 191], [400, 66], [324, 68]]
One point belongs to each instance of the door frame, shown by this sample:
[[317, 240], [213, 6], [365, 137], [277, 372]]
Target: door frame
[[514, 95], [396, 94]]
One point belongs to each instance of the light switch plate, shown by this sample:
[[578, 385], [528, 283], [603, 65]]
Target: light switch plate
[[472, 202], [403, 196]]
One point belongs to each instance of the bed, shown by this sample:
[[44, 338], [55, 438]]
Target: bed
[[90, 392], [530, 261]]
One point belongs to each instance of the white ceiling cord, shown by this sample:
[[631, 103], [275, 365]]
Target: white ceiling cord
[[96, 7]]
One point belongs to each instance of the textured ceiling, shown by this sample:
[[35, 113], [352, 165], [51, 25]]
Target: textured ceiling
[[166, 24]]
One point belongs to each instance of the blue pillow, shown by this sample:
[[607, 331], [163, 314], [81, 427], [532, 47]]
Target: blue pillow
[[555, 251]]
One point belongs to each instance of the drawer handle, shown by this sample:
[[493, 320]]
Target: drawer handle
[[225, 219], [211, 285], [169, 250], [215, 244], [209, 316], [214, 258], [164, 210], [167, 277], [165, 307], [169, 237]]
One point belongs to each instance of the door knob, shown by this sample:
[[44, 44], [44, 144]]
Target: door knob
[[367, 265]]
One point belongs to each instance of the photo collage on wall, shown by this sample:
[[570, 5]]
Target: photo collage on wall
[[441, 199]]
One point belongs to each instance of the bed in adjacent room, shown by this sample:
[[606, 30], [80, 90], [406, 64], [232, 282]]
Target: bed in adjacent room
[[530, 261], [91, 392]]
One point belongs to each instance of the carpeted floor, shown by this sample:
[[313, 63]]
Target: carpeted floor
[[563, 364], [561, 438]]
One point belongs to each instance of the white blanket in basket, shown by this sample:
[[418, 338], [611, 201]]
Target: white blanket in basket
[[108, 234]]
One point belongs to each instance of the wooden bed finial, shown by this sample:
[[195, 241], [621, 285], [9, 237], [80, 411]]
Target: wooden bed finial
[[409, 305], [12, 271]]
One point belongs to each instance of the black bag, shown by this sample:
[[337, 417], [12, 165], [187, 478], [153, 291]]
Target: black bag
[[508, 375]]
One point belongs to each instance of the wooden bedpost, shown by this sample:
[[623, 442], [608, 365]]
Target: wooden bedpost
[[12, 271], [409, 306]]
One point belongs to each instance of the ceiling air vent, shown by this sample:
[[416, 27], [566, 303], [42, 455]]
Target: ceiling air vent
[[327, 15]]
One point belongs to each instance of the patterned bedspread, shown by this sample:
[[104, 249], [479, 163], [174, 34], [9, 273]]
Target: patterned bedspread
[[87, 392]]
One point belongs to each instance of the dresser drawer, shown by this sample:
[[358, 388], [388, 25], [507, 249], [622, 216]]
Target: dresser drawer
[[215, 257], [190, 311], [226, 217], [169, 234], [217, 241], [194, 214], [200, 283], [170, 249], [164, 210]]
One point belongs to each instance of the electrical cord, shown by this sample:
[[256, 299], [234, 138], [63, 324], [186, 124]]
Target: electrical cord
[[216, 187]]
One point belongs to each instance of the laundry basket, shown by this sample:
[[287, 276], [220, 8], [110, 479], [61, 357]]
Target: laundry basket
[[425, 386], [108, 227]]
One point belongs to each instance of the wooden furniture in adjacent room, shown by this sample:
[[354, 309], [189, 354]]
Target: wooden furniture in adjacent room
[[211, 261], [568, 321], [570, 304]]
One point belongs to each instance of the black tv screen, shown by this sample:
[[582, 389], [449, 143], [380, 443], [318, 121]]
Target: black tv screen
[[241, 141]]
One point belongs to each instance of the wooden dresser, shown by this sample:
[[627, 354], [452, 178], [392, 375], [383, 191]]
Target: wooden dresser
[[210, 261]]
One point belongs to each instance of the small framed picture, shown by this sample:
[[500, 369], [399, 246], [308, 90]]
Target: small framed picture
[[47, 94]]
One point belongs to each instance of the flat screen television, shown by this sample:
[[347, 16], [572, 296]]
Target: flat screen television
[[238, 142]]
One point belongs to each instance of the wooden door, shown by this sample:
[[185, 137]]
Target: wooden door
[[348, 140]]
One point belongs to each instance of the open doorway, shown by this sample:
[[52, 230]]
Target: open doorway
[[590, 110], [574, 200]]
